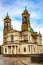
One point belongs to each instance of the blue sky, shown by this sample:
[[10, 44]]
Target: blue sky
[[15, 9]]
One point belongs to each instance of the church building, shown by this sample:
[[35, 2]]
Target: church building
[[26, 41]]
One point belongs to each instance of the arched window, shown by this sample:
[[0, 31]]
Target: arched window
[[24, 49], [25, 18], [12, 38]]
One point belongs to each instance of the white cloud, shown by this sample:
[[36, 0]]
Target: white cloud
[[16, 24], [35, 15]]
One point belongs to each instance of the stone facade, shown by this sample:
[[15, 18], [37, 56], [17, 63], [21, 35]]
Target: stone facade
[[26, 41]]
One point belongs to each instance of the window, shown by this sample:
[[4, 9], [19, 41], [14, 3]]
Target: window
[[24, 49], [25, 18], [9, 47], [12, 38], [5, 24], [29, 47], [5, 50]]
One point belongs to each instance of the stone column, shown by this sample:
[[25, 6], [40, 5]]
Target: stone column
[[16, 49], [29, 49], [4, 50]]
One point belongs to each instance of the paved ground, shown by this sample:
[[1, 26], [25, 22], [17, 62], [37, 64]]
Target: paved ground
[[16, 61]]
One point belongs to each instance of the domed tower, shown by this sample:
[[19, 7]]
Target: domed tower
[[7, 28], [7, 24], [25, 20]]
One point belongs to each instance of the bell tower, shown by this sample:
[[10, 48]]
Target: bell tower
[[7, 24], [25, 20]]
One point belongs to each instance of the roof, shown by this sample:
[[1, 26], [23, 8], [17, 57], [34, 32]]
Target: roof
[[13, 30], [31, 30], [25, 11], [7, 17]]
